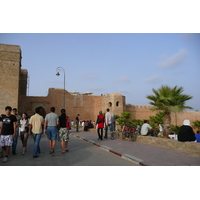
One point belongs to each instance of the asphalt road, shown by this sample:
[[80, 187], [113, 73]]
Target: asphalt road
[[80, 153]]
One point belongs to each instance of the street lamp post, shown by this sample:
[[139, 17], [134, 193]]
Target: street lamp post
[[58, 69]]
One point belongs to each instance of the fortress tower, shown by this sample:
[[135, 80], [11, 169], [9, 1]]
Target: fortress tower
[[13, 80], [115, 102]]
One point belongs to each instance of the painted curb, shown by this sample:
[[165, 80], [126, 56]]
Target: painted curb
[[124, 156], [132, 158]]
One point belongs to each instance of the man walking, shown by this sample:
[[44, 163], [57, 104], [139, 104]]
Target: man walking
[[109, 124], [35, 125], [14, 145], [51, 124], [8, 131], [77, 122]]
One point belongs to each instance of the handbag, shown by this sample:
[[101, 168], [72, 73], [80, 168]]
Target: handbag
[[99, 120], [26, 128], [67, 123]]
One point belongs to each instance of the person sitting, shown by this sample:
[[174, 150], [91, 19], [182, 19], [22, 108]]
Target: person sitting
[[186, 133], [72, 123], [86, 125], [197, 136], [147, 129], [90, 125]]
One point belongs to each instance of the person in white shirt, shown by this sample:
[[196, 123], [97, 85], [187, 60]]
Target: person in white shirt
[[24, 124], [147, 129], [160, 129], [109, 124]]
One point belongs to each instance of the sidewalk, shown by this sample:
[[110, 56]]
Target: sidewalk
[[140, 153]]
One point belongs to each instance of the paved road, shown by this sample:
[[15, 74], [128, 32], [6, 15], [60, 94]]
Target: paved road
[[80, 153]]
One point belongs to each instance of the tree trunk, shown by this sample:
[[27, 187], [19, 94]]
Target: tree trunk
[[176, 118], [167, 124]]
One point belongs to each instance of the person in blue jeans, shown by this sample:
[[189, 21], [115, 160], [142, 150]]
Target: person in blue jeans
[[35, 126], [51, 124], [14, 144], [109, 124]]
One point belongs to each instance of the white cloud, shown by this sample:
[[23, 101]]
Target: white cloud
[[123, 79], [153, 79], [174, 60]]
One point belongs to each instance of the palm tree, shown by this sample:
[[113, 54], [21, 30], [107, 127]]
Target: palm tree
[[196, 124], [168, 100]]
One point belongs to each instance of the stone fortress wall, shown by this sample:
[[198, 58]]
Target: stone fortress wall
[[144, 112], [13, 87]]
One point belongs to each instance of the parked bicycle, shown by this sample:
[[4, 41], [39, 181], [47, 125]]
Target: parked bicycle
[[129, 132]]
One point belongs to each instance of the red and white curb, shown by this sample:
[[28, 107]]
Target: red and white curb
[[124, 156]]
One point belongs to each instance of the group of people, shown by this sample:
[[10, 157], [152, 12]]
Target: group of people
[[106, 122], [85, 124], [57, 129], [185, 134], [12, 125]]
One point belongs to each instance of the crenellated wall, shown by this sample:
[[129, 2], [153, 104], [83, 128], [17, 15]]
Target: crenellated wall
[[87, 106], [140, 111], [144, 112]]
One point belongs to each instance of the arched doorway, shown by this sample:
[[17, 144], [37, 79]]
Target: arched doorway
[[117, 103], [109, 104]]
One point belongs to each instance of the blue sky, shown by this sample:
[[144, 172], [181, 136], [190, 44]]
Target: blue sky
[[128, 63]]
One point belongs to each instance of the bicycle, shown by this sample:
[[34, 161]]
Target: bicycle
[[129, 132]]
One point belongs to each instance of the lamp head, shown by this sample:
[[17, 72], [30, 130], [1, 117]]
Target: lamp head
[[57, 74]]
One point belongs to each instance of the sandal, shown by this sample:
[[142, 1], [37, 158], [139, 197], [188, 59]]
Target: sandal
[[63, 152], [52, 152], [67, 150]]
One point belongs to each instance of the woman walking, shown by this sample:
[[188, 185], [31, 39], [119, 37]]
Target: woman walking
[[100, 124], [24, 124], [63, 135]]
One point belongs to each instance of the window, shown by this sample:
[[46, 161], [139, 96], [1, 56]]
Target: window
[[109, 104], [117, 103]]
